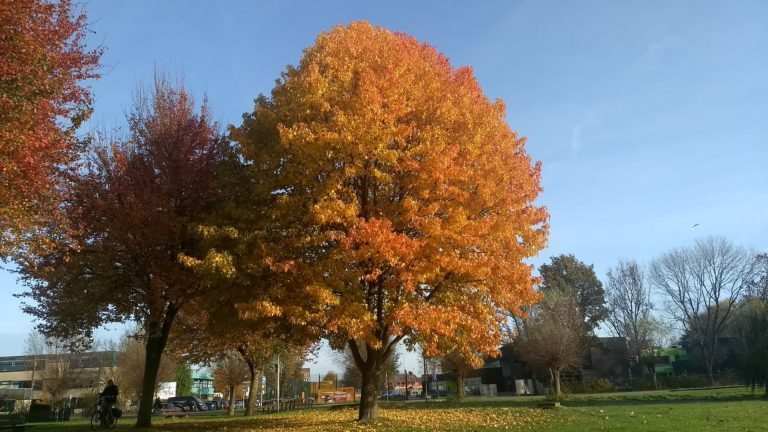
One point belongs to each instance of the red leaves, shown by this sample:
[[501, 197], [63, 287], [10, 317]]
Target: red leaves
[[42, 100]]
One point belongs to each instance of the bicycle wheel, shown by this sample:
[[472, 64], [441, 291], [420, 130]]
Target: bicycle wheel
[[111, 421], [95, 421]]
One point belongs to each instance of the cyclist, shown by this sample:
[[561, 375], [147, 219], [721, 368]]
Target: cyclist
[[110, 394]]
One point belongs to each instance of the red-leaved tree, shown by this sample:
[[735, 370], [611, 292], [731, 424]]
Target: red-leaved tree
[[132, 214], [44, 66]]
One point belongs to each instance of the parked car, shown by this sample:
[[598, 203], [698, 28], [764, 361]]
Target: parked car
[[188, 403]]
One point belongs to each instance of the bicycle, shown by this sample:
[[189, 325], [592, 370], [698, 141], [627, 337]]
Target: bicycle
[[102, 417]]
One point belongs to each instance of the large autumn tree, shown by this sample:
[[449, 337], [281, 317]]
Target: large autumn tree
[[404, 198], [44, 69], [132, 212]]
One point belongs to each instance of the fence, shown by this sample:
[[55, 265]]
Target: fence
[[271, 405]]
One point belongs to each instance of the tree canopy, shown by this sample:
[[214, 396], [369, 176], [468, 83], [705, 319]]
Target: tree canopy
[[702, 285], [132, 211], [44, 68], [407, 197], [566, 273]]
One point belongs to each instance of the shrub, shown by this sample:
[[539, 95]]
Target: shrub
[[600, 385], [571, 387]]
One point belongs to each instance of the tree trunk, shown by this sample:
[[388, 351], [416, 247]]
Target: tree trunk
[[369, 400], [460, 386], [651, 369], [251, 389], [709, 359], [557, 382], [157, 337], [231, 409]]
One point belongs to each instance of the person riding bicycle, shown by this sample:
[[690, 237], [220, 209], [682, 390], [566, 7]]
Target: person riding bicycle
[[110, 394]]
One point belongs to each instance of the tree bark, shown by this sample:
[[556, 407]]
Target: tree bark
[[231, 409], [157, 338], [460, 386], [369, 400], [557, 382], [709, 363], [252, 389]]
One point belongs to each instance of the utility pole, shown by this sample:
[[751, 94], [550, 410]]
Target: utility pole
[[278, 383], [406, 384], [32, 388], [386, 385]]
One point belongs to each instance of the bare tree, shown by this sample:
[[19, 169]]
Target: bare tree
[[758, 288], [59, 373], [702, 285], [129, 374], [552, 339], [629, 304], [230, 372]]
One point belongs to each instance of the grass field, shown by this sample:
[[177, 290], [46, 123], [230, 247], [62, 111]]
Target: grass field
[[701, 410]]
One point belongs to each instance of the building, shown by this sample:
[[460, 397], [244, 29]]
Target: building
[[608, 358], [73, 374], [202, 385]]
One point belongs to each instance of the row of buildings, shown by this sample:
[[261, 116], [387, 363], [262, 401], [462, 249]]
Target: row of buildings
[[71, 375], [81, 374]]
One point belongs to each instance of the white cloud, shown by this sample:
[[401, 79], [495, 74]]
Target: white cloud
[[576, 138]]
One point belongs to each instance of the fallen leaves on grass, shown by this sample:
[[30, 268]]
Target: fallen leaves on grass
[[390, 419]]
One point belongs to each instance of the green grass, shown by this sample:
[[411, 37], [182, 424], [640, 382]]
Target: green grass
[[701, 410]]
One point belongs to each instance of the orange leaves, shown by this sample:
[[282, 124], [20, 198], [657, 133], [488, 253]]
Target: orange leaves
[[376, 241], [408, 196]]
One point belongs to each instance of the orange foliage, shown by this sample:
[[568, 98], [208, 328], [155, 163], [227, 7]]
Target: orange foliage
[[403, 189]]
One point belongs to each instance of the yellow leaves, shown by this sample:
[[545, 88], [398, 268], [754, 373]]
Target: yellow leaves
[[215, 263], [390, 419], [321, 294], [259, 309]]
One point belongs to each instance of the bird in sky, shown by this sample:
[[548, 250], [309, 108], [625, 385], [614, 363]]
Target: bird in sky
[[694, 227]]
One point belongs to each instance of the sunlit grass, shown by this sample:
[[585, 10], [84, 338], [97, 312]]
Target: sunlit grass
[[715, 410]]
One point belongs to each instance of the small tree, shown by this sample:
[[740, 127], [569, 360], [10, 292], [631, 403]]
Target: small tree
[[566, 273], [552, 339], [183, 375], [458, 364], [753, 330], [230, 372], [658, 336], [129, 374], [57, 374], [629, 305]]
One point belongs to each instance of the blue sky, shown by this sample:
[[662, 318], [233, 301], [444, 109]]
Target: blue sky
[[648, 117]]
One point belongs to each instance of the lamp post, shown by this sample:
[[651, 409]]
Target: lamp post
[[424, 379]]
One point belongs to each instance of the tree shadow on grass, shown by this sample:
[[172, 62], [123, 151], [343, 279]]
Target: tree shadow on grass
[[605, 400]]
